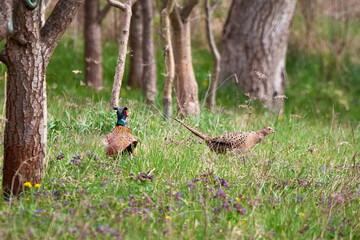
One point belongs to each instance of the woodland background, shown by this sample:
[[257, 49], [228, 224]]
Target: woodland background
[[321, 59]]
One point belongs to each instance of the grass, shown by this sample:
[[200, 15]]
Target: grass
[[302, 178], [300, 183]]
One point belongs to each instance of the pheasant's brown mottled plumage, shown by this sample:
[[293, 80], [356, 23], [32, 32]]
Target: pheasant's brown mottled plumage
[[120, 140], [235, 141]]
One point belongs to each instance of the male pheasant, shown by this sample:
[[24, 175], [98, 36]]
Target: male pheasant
[[120, 140], [235, 141]]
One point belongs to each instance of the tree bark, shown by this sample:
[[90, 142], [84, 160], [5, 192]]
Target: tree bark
[[186, 85], [214, 51], [44, 5], [255, 40], [6, 23], [135, 43], [26, 54], [92, 39], [168, 57], [149, 64], [124, 36]]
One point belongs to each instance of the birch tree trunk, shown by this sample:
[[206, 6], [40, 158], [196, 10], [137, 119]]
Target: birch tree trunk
[[135, 43], [169, 57], [186, 85], [149, 64], [124, 37], [255, 41], [26, 54], [92, 40]]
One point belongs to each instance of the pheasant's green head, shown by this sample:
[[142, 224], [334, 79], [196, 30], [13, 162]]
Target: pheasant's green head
[[121, 114]]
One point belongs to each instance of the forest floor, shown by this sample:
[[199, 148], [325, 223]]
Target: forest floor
[[300, 183]]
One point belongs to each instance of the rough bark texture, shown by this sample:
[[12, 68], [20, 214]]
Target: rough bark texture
[[135, 43], [26, 55], [186, 85], [214, 51], [92, 39], [255, 39], [6, 23], [124, 36], [149, 64], [169, 57]]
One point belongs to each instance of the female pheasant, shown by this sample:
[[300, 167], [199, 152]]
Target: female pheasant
[[120, 140], [236, 141]]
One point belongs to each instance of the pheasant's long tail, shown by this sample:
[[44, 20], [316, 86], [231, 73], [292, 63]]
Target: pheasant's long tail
[[193, 130]]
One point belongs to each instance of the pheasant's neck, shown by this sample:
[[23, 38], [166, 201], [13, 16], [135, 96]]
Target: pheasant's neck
[[120, 122], [261, 134]]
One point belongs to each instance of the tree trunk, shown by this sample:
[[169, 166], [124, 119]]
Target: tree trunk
[[168, 57], [149, 64], [255, 41], [92, 39], [26, 54], [135, 43], [186, 85], [25, 130], [124, 37], [308, 11]]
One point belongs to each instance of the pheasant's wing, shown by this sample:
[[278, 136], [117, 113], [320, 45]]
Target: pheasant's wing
[[230, 138], [223, 143], [237, 141], [119, 140]]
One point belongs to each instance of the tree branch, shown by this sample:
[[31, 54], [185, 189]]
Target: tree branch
[[55, 26], [169, 8], [216, 4], [209, 34], [214, 51], [103, 12], [187, 9], [118, 4]]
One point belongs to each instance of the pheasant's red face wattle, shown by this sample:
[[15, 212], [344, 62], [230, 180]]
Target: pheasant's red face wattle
[[125, 108]]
